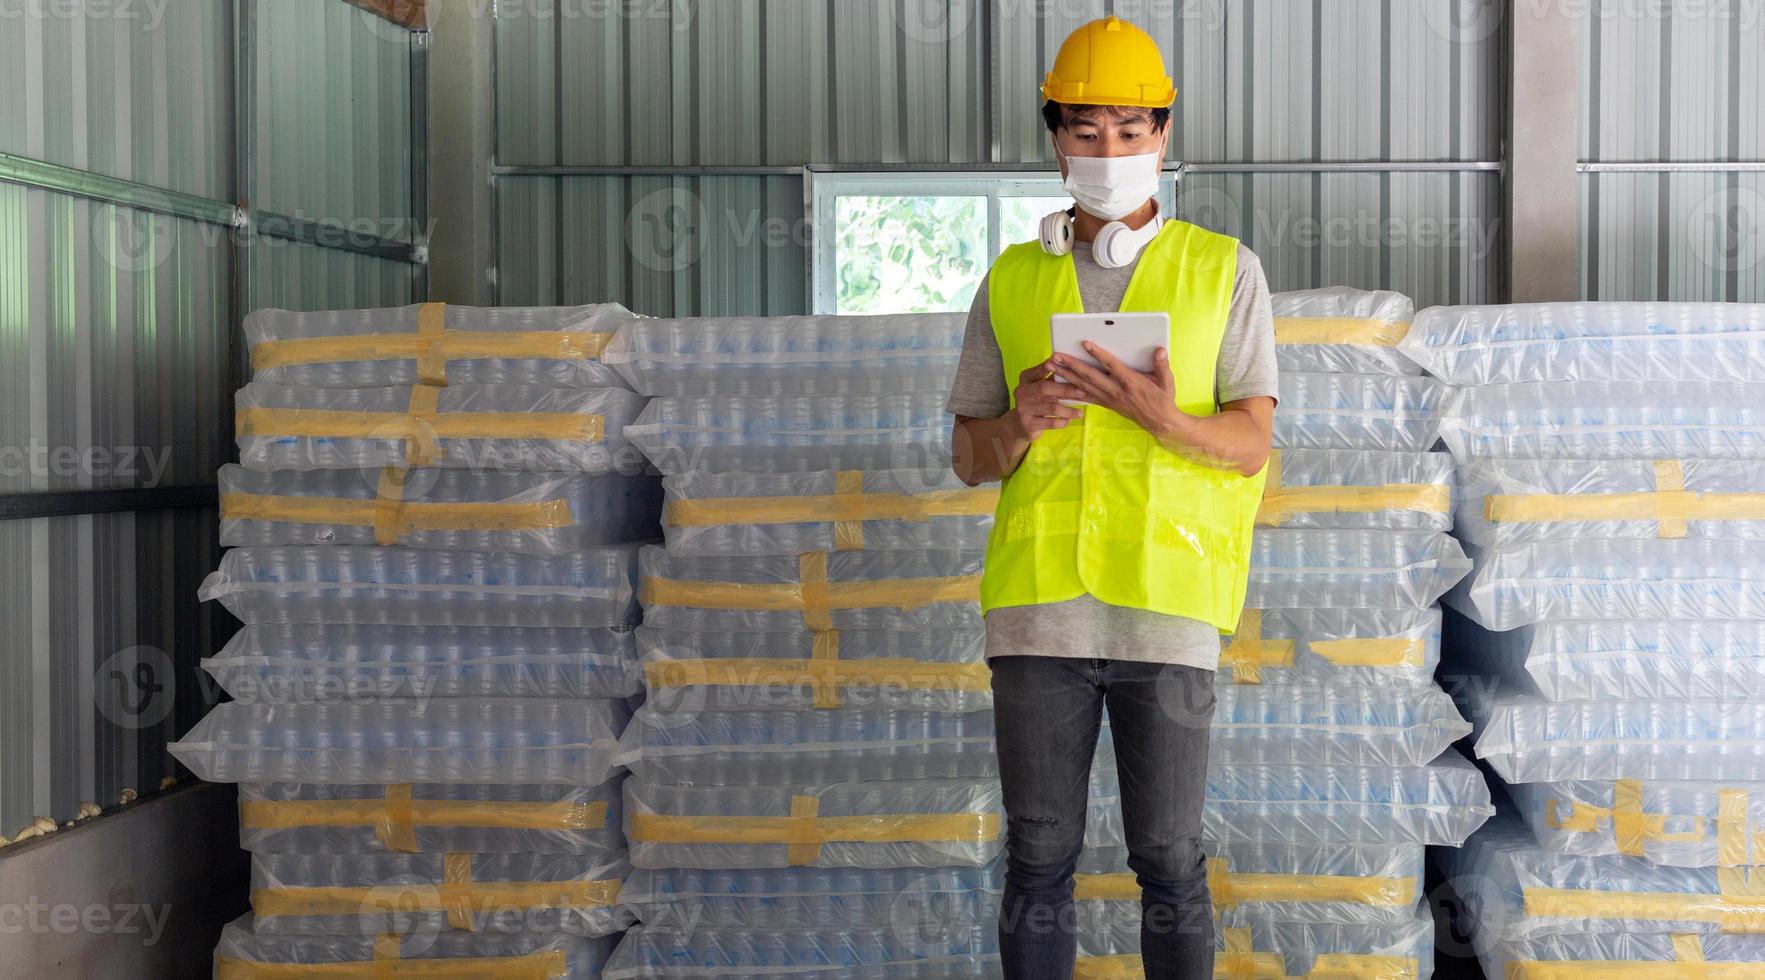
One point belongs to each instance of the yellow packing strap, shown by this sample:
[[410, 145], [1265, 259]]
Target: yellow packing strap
[[1249, 652], [1631, 827], [387, 964], [1689, 964], [395, 818], [805, 830], [1671, 505], [458, 896], [1359, 331], [1738, 908], [812, 595], [1280, 503], [1240, 961], [421, 426], [432, 346], [848, 507], [826, 674], [391, 517], [1231, 888]]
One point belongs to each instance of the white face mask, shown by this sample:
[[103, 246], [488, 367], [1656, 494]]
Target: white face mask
[[1112, 187]]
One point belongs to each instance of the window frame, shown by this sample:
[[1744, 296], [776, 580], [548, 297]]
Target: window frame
[[824, 188]]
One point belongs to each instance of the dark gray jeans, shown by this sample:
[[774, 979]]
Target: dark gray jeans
[[1047, 712]]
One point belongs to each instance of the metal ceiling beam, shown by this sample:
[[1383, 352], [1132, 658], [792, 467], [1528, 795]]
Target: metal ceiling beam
[[46, 176], [77, 503]]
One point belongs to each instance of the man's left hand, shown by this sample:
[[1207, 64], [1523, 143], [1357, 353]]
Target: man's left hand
[[1148, 400]]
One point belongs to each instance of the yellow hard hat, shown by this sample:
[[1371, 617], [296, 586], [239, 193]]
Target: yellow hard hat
[[1110, 62]]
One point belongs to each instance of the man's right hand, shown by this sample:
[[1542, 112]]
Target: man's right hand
[[1036, 402]]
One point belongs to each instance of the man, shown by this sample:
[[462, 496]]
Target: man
[[1121, 546]]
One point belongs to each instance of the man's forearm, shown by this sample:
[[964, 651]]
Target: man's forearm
[[1234, 440], [986, 450]]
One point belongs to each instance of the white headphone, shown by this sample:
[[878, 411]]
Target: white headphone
[[1116, 245]]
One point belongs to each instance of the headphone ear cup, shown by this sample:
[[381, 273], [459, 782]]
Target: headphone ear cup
[[1057, 233], [1117, 246]]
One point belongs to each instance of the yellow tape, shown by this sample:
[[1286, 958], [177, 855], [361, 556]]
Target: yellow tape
[[1670, 505], [1232, 888], [812, 580], [387, 815], [1280, 503], [391, 518], [904, 593], [848, 534], [1739, 908], [1261, 966], [432, 346], [804, 828], [1731, 828], [1249, 652], [456, 872], [537, 966], [1631, 827], [827, 674], [421, 426], [457, 899], [399, 833], [1364, 332], [1688, 951], [849, 506]]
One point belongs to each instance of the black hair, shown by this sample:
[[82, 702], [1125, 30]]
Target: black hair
[[1055, 114]]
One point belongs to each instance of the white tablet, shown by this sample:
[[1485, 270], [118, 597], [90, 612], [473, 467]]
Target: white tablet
[[1132, 337]]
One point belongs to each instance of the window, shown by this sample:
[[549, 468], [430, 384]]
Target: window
[[920, 243]]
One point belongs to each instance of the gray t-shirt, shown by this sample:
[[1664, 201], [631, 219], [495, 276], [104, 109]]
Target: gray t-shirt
[[1086, 627]]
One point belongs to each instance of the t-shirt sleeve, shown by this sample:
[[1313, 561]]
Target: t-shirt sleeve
[[979, 390], [1247, 354]]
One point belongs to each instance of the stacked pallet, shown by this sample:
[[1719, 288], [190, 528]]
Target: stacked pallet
[[1608, 647], [1330, 771], [431, 526]]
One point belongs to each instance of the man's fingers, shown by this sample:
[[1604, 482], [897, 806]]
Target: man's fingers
[[1161, 369]]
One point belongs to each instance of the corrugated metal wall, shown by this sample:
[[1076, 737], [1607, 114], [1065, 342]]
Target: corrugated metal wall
[[1673, 82], [879, 82], [116, 344]]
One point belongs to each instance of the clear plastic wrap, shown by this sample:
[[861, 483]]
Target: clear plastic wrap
[[931, 670], [367, 894], [1367, 883], [814, 898], [414, 587], [436, 344], [1440, 803], [244, 954], [470, 740], [1307, 725], [471, 427], [1269, 948], [316, 662], [1358, 411], [1612, 955], [1527, 739], [1678, 823], [754, 514], [477, 510], [796, 433], [1516, 891], [923, 823], [432, 818], [1352, 569], [1353, 489], [1618, 660], [789, 355], [852, 590], [1351, 647], [963, 951], [1607, 579], [1606, 420], [1481, 345], [1341, 330], [673, 742], [1510, 502]]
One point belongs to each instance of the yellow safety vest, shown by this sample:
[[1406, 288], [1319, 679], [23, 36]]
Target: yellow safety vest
[[1100, 506]]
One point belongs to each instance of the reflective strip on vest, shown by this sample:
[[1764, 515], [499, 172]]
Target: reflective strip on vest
[[1100, 507]]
